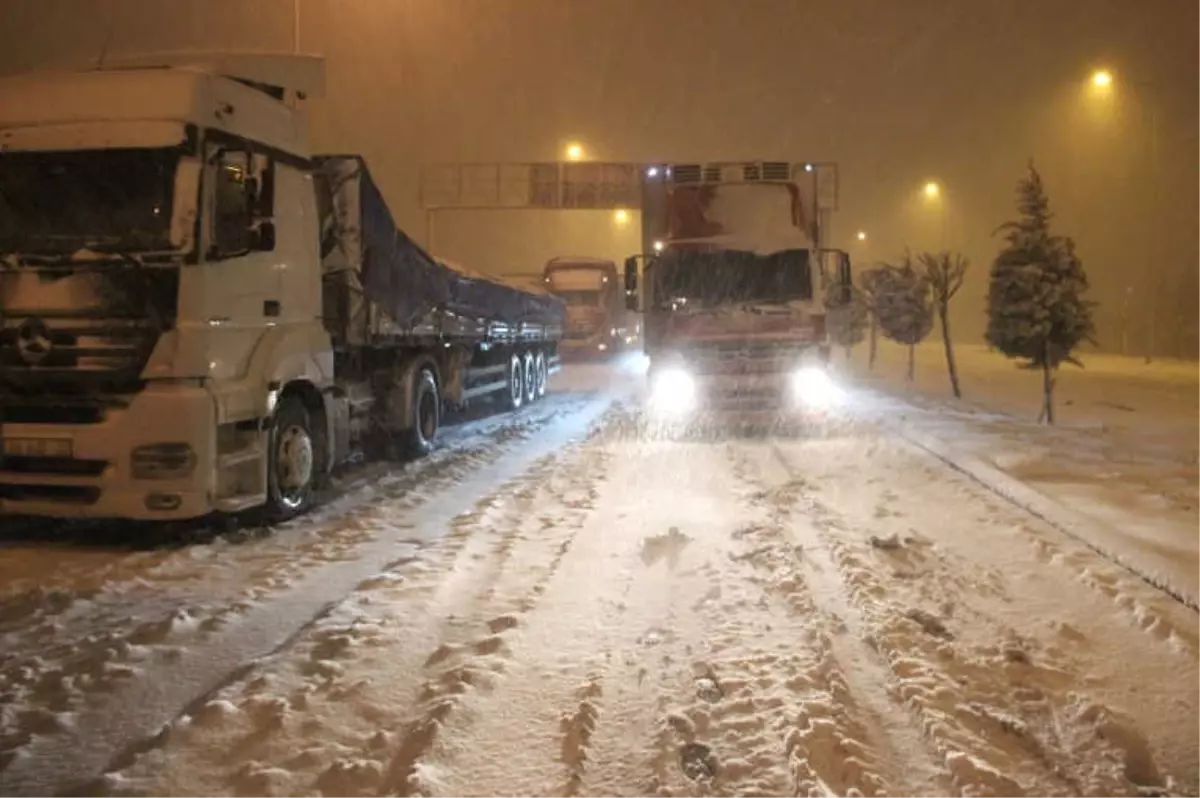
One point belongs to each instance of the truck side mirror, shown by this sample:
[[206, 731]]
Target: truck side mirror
[[631, 284]]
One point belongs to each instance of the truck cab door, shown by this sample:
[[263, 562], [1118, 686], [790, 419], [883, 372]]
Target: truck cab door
[[235, 290]]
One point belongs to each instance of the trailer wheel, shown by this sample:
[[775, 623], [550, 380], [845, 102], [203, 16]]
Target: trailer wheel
[[539, 369], [291, 464], [427, 415], [529, 371], [516, 384]]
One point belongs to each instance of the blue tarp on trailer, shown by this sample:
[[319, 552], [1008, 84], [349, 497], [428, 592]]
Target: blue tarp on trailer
[[395, 273]]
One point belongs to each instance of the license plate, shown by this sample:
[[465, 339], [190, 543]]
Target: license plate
[[37, 447]]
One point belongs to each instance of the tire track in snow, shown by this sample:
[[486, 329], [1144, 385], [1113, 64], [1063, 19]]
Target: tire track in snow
[[502, 597], [419, 616], [996, 714], [844, 738]]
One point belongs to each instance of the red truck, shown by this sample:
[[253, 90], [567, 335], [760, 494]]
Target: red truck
[[597, 320], [733, 289]]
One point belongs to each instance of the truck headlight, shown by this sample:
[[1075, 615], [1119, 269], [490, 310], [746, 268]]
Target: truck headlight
[[162, 461], [673, 392], [813, 388]]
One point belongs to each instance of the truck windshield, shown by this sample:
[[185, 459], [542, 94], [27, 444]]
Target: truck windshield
[[708, 279], [56, 203]]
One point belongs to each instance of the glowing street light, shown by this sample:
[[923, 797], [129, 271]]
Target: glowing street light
[[862, 236], [1102, 79], [574, 152], [932, 190], [659, 246], [621, 216]]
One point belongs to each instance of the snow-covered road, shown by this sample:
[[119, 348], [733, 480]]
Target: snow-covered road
[[540, 610]]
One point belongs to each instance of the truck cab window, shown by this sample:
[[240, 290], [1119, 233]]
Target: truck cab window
[[242, 200]]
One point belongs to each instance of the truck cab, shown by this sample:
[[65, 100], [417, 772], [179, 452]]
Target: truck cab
[[597, 320], [159, 285], [734, 288]]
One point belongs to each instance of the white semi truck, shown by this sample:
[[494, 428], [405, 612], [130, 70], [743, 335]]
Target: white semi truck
[[199, 315]]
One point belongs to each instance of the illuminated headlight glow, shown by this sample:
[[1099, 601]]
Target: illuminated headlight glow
[[673, 392], [813, 388]]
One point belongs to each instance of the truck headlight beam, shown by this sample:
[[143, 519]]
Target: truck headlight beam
[[672, 392], [813, 388]]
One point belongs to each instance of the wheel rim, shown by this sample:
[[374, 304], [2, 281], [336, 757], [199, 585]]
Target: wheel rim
[[293, 465], [541, 375], [427, 416], [517, 386]]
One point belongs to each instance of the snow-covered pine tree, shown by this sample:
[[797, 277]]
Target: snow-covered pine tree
[[903, 306], [845, 319], [1036, 310], [944, 272]]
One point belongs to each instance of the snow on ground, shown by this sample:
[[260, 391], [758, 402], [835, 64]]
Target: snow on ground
[[833, 614], [101, 642], [1124, 451]]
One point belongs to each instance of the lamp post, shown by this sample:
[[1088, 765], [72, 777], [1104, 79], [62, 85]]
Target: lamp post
[[1104, 83]]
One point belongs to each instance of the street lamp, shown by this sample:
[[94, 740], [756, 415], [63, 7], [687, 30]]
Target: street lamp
[[862, 236], [932, 190], [621, 217], [1142, 104], [574, 152]]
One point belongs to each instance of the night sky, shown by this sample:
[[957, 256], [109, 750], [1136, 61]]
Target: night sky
[[897, 93]]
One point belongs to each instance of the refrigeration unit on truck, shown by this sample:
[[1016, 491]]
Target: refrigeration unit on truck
[[734, 289], [199, 315], [597, 320]]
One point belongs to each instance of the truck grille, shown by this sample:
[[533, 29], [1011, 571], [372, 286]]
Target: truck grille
[[738, 358], [72, 355], [23, 410]]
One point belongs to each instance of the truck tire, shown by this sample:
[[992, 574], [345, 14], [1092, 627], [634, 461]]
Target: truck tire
[[426, 415], [529, 372], [291, 464], [516, 384], [541, 373]]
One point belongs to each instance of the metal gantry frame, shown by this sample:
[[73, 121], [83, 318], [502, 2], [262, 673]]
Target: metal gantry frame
[[570, 185]]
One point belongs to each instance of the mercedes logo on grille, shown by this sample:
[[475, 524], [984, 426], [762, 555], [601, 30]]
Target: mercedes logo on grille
[[33, 341]]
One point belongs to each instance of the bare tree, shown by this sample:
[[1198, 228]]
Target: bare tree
[[944, 272]]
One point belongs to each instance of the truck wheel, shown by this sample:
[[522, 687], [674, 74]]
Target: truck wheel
[[427, 415], [291, 465], [540, 372], [516, 384], [529, 371]]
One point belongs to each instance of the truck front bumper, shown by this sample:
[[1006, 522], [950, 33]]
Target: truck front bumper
[[149, 460], [677, 395]]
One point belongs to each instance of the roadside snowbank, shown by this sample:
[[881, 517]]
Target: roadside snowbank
[[1124, 452]]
